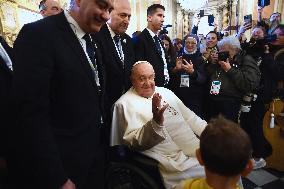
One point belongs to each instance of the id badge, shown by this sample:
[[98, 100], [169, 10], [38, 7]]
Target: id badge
[[184, 81], [215, 87]]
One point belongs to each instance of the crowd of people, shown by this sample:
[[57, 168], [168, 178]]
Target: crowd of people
[[75, 83]]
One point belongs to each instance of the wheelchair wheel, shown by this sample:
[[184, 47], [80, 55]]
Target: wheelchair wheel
[[126, 176]]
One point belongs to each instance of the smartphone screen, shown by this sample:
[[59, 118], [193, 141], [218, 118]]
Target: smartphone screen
[[248, 18]]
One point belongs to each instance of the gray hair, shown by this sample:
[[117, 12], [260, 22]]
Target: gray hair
[[232, 41]]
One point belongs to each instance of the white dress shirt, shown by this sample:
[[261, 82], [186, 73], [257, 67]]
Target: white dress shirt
[[6, 57]]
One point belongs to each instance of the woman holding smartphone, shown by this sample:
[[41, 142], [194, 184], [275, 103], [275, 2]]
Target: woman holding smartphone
[[189, 77]]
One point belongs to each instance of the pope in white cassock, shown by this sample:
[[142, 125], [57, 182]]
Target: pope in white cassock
[[154, 121]]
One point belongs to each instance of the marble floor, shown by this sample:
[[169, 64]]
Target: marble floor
[[264, 178]]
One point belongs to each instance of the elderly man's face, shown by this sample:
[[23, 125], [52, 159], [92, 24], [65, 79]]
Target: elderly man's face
[[93, 14], [120, 16], [143, 79], [52, 7]]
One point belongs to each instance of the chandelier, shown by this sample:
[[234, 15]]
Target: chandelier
[[192, 4]]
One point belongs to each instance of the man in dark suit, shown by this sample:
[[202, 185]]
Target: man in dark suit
[[58, 86], [117, 52], [149, 47], [6, 59]]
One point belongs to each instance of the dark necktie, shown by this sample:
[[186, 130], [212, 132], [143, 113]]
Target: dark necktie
[[90, 49], [157, 43], [91, 54], [117, 41]]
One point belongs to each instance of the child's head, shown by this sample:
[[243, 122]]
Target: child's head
[[225, 149]]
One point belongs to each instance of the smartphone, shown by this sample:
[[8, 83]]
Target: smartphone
[[248, 18], [263, 3], [183, 62]]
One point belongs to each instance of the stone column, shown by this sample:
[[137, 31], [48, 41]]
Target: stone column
[[279, 7], [225, 20], [220, 18], [190, 21], [234, 18], [179, 22], [185, 23]]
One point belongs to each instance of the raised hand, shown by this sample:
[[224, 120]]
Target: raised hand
[[188, 67], [178, 64], [226, 66], [246, 26], [157, 109]]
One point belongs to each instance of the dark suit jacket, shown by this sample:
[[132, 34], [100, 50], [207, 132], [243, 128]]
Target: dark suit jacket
[[117, 75], [5, 98], [59, 105], [145, 49], [117, 72]]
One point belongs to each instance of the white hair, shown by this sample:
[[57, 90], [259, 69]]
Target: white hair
[[140, 62], [231, 41]]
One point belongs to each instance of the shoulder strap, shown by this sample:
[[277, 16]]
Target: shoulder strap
[[280, 51]]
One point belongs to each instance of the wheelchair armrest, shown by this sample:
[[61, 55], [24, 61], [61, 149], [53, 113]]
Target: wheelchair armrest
[[143, 159], [150, 165], [123, 152], [119, 153]]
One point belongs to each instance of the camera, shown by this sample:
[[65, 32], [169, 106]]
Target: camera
[[246, 102], [256, 47], [201, 13], [164, 30], [270, 38], [223, 56], [211, 20]]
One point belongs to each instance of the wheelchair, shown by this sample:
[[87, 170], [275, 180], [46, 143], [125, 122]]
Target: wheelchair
[[129, 169]]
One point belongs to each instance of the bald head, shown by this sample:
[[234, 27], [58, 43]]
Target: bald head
[[143, 78], [120, 16]]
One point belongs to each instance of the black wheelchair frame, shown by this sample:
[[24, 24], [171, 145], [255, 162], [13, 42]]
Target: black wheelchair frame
[[130, 169]]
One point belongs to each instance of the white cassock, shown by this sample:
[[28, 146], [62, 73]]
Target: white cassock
[[173, 144]]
